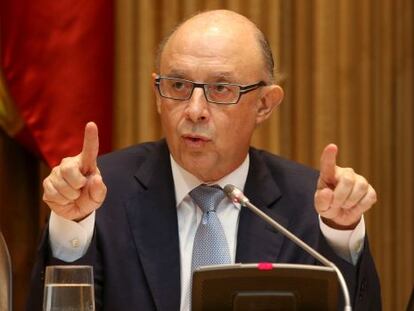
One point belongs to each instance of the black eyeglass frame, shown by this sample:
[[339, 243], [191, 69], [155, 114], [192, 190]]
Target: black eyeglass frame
[[243, 89]]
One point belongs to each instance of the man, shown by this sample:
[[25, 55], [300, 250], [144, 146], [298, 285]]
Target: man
[[214, 86]]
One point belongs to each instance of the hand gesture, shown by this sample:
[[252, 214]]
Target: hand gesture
[[74, 188], [342, 196]]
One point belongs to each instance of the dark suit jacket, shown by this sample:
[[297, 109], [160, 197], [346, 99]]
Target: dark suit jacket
[[135, 248]]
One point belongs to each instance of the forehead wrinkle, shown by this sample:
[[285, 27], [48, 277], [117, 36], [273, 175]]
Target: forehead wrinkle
[[212, 76], [188, 64], [196, 69]]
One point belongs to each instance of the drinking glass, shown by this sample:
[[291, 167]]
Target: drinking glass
[[69, 288]]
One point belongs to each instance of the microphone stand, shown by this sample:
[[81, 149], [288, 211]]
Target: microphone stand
[[236, 195]]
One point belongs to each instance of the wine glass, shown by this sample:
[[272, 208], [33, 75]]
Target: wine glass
[[69, 288]]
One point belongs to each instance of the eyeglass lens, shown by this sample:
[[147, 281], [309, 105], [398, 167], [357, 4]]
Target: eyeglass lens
[[182, 90]]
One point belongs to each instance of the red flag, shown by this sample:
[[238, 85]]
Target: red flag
[[57, 62]]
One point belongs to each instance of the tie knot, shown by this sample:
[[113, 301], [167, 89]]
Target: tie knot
[[207, 197]]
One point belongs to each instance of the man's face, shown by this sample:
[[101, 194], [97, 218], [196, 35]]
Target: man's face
[[211, 140]]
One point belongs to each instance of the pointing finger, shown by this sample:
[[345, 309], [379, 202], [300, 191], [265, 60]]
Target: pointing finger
[[90, 149], [328, 164]]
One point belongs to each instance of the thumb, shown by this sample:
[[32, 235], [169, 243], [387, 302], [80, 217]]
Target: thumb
[[328, 164], [90, 149]]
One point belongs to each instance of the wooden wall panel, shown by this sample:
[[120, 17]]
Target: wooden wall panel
[[303, 50], [402, 80], [125, 75]]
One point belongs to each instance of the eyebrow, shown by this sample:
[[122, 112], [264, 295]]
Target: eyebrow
[[216, 76]]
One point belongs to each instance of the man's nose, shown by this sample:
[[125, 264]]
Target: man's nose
[[197, 107]]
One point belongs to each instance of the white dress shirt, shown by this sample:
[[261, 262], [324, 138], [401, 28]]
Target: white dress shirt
[[70, 240]]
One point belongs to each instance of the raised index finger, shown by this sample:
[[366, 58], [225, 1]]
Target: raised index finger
[[90, 149], [328, 164]]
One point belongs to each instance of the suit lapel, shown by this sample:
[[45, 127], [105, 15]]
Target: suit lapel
[[152, 217], [256, 240]]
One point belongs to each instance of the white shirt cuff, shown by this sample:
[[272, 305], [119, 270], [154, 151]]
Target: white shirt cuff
[[69, 240], [347, 244]]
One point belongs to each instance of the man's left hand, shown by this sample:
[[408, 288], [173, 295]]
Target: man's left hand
[[342, 196]]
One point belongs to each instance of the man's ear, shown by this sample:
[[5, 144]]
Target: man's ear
[[157, 97], [271, 97]]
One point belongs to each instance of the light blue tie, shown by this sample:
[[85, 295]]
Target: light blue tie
[[210, 244]]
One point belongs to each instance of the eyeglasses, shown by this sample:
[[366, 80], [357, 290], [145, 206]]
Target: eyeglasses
[[218, 93]]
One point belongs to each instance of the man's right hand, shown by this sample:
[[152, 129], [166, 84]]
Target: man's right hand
[[74, 188]]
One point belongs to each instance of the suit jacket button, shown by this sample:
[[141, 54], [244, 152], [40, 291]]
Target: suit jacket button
[[363, 284], [362, 288]]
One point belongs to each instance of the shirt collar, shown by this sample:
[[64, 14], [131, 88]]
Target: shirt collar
[[184, 181]]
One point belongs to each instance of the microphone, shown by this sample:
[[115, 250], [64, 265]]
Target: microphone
[[237, 196]]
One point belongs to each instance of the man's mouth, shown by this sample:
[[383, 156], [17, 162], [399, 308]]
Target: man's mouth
[[196, 140]]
